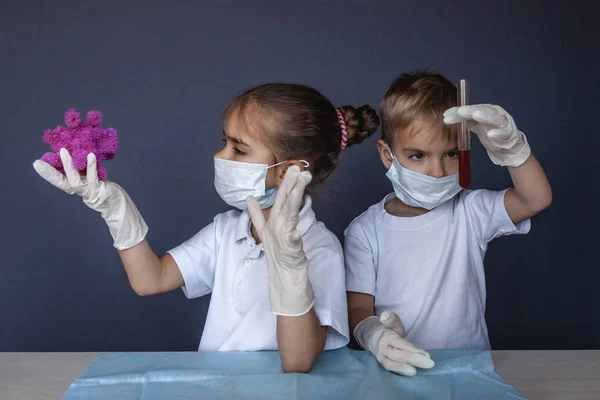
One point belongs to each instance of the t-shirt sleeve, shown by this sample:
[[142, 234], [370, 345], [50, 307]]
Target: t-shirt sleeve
[[361, 275], [196, 259], [488, 216], [326, 275]]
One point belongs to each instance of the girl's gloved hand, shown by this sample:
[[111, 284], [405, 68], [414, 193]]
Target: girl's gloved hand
[[384, 338], [290, 291], [126, 225], [505, 144]]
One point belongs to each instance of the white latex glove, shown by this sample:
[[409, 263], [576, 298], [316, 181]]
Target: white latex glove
[[384, 338], [126, 225], [496, 129], [290, 291]]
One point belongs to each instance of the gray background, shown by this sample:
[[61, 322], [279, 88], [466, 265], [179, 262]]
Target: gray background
[[162, 74]]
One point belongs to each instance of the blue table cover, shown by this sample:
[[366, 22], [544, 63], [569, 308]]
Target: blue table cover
[[338, 374]]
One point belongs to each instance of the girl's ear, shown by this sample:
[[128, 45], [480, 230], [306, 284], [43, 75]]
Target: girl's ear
[[282, 169]]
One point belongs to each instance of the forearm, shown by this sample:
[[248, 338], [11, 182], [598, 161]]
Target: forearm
[[532, 191], [360, 307], [143, 268], [357, 314], [300, 340]]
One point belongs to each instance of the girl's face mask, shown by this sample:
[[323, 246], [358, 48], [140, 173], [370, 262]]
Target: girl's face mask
[[236, 180]]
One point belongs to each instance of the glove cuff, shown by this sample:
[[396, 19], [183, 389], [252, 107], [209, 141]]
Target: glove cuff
[[512, 157], [290, 291], [521, 156], [368, 332], [125, 223]]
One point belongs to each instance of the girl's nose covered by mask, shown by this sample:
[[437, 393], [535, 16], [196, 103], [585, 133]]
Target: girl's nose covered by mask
[[236, 180]]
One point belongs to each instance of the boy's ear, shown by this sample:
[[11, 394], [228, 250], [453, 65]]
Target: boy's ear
[[386, 157]]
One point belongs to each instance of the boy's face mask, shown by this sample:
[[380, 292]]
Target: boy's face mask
[[419, 190], [235, 181]]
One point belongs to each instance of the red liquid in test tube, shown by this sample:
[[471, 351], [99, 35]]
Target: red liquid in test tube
[[464, 168], [464, 139]]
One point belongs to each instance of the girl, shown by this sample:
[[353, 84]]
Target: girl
[[276, 274]]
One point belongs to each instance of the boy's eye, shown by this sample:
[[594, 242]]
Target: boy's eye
[[416, 156], [452, 154]]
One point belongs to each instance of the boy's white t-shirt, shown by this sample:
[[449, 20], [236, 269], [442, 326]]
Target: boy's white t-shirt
[[428, 269], [223, 259]]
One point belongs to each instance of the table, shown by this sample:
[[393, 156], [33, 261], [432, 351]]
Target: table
[[546, 375]]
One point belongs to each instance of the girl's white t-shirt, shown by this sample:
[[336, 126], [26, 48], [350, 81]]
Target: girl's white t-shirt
[[223, 259]]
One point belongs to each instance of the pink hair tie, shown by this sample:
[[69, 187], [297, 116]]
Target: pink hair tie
[[343, 128]]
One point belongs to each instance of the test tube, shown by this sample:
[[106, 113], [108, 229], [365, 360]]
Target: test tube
[[464, 139]]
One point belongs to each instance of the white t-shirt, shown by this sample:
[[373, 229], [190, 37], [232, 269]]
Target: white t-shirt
[[428, 269], [223, 259]]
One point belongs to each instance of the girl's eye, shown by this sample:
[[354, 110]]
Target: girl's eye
[[235, 149], [416, 156], [452, 154]]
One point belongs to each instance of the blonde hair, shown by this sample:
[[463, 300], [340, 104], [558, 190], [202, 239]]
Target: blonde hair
[[419, 95]]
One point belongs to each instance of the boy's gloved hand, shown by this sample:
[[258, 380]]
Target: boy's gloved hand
[[290, 291], [126, 225], [505, 144], [384, 338]]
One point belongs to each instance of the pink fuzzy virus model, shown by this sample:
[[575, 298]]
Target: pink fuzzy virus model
[[81, 138]]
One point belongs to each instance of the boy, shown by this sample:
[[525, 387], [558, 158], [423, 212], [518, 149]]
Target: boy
[[416, 258]]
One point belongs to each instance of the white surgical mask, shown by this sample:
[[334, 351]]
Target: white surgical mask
[[235, 181], [419, 190]]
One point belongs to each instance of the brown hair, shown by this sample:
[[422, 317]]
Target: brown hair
[[421, 94], [298, 122]]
